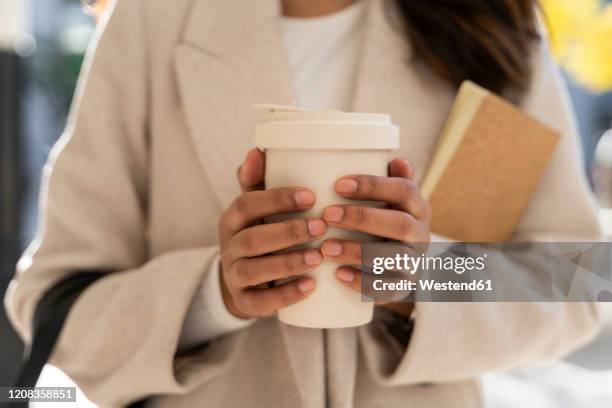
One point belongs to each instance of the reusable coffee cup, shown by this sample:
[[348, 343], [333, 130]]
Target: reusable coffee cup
[[312, 149]]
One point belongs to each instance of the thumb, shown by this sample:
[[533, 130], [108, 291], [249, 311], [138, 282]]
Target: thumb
[[251, 172]]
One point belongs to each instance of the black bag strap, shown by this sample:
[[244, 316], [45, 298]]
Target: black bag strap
[[49, 318]]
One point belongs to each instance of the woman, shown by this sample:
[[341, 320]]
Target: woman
[[141, 187]]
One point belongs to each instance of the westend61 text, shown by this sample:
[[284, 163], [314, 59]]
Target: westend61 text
[[432, 285]]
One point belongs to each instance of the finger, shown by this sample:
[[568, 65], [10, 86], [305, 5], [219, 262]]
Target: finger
[[248, 272], [400, 193], [342, 251], [250, 207], [392, 224], [349, 277], [401, 168], [264, 302], [266, 238], [251, 172]]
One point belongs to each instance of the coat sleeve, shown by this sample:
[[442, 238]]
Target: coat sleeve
[[455, 341], [119, 340]]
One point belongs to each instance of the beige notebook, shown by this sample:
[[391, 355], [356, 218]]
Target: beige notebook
[[489, 160]]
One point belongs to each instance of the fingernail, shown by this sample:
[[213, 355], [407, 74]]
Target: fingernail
[[333, 214], [345, 275], [331, 248], [304, 198], [312, 257], [306, 285], [346, 186], [316, 227], [243, 167]]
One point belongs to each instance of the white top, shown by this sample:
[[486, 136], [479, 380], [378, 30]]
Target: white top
[[323, 53]]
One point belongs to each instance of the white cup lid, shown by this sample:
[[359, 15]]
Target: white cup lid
[[289, 127]]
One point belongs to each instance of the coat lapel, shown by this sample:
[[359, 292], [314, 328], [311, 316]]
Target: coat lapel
[[230, 57]]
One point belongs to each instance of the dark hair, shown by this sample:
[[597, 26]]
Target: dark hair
[[486, 41]]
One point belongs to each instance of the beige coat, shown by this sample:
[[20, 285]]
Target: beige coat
[[163, 118]]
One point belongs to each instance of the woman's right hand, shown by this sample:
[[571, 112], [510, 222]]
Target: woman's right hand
[[247, 262]]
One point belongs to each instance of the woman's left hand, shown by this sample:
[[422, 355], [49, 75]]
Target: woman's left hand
[[406, 219]]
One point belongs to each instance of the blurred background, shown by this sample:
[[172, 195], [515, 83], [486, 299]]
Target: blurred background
[[42, 43]]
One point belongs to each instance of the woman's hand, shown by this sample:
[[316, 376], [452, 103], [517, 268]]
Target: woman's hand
[[406, 219], [246, 264]]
